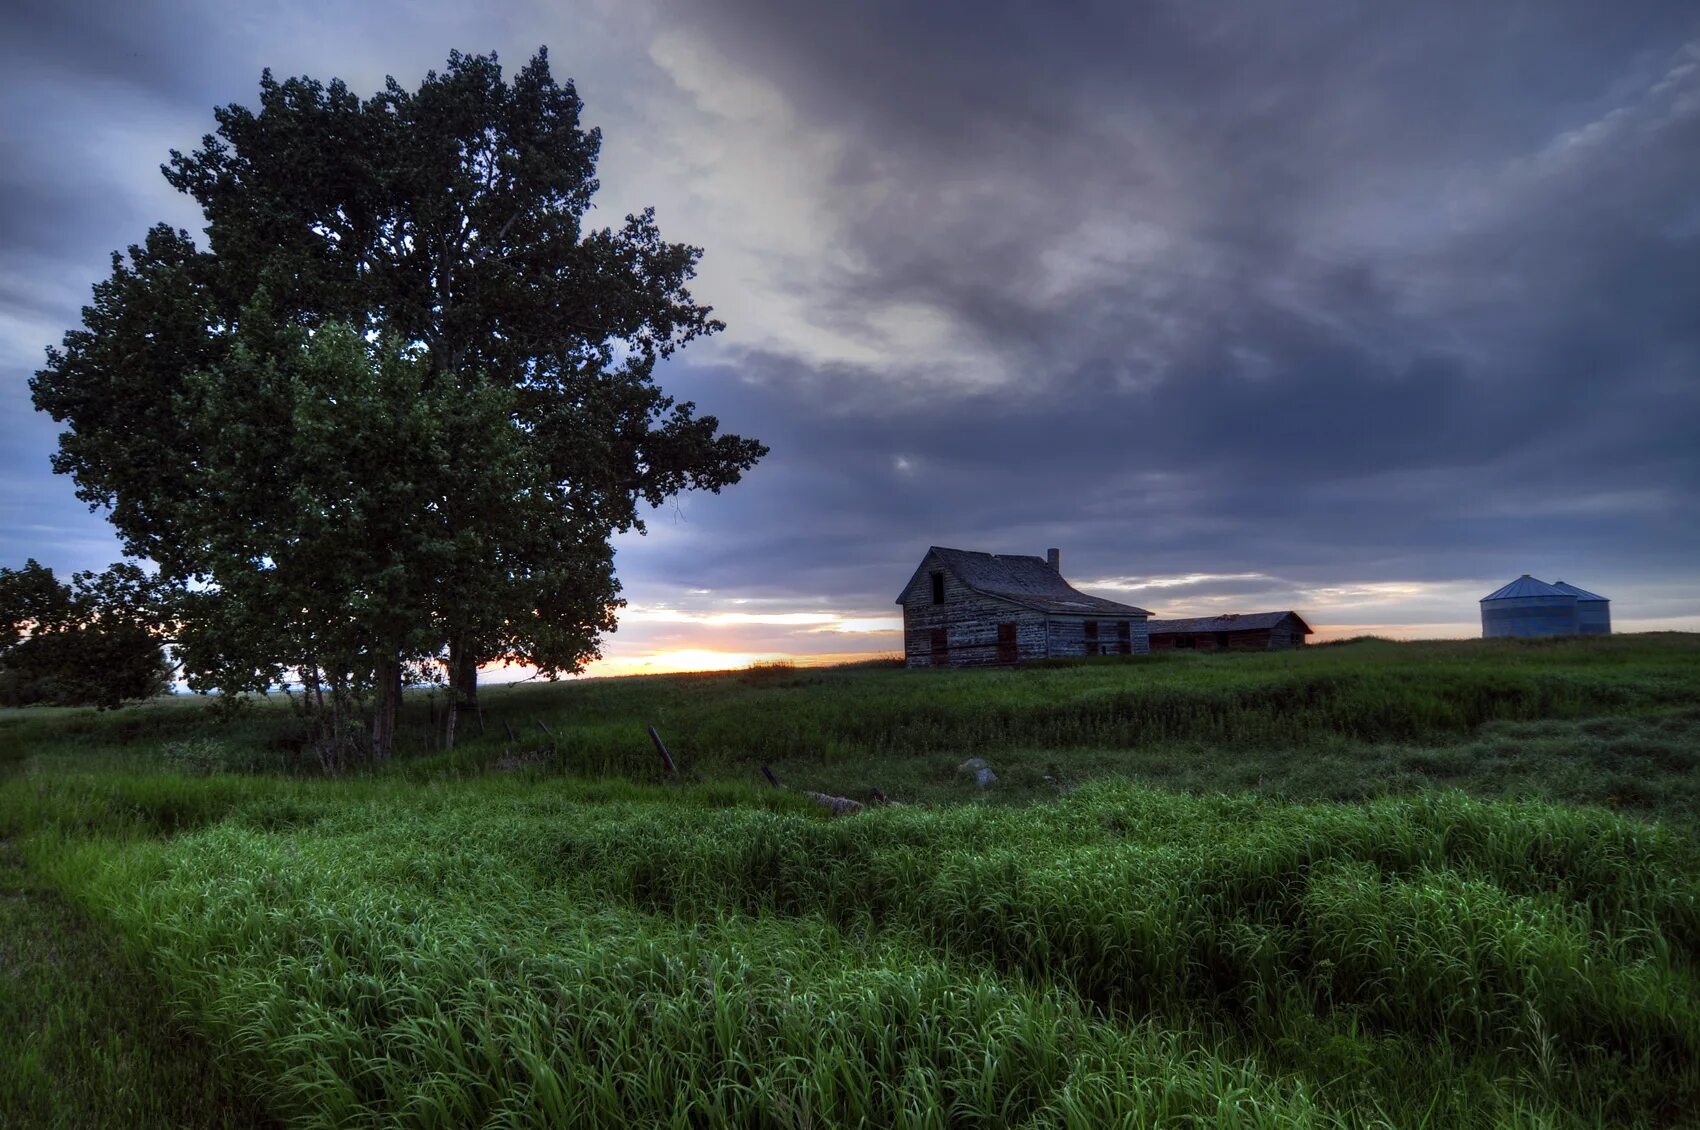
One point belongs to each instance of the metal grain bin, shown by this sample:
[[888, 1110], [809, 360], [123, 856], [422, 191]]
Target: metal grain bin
[[1527, 607], [1593, 611]]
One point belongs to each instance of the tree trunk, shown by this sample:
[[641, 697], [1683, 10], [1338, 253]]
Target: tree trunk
[[463, 688], [466, 679], [451, 708], [386, 702]]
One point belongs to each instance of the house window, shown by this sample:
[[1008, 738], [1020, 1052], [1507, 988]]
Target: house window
[[1222, 641], [1090, 629], [938, 588], [1007, 650], [941, 647], [1124, 637], [1185, 642]]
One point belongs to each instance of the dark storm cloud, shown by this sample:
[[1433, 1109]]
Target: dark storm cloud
[[106, 43], [1405, 292]]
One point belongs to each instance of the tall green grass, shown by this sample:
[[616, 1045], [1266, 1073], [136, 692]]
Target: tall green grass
[[445, 945], [1362, 692], [1370, 691], [1605, 720], [86, 1038], [513, 955]]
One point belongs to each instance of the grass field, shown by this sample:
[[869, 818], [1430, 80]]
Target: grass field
[[1372, 884]]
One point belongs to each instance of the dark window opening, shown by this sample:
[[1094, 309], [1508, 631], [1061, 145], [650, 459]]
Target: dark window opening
[[938, 588], [941, 647], [1006, 643], [1091, 630], [1186, 642], [1222, 641], [1124, 637]]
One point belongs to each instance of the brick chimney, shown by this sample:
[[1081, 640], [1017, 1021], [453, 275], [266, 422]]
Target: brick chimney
[[1053, 558]]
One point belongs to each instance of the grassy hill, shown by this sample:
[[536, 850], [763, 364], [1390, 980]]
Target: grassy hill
[[1346, 887]]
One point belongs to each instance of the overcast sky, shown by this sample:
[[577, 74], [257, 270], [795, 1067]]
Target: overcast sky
[[1358, 309]]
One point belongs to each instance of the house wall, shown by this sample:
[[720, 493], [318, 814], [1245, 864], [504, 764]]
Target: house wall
[[970, 621], [1067, 636], [1210, 641]]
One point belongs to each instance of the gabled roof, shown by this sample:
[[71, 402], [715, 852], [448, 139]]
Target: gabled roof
[[1232, 622], [1027, 581], [1579, 594], [1525, 586]]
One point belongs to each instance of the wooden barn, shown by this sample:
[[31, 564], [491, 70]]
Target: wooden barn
[[1249, 631], [967, 609]]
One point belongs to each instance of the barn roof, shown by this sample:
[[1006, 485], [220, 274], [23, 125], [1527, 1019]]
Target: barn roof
[[1027, 581], [1525, 586], [1579, 594], [1231, 622]]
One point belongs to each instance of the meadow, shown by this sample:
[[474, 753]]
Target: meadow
[[1372, 884]]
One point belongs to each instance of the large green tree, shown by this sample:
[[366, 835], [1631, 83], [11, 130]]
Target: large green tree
[[447, 222]]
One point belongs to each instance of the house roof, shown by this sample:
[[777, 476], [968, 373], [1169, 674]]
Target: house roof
[[1579, 594], [1525, 586], [1231, 622], [1027, 581]]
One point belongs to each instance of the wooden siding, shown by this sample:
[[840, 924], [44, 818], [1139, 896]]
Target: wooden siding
[[970, 621], [1067, 639]]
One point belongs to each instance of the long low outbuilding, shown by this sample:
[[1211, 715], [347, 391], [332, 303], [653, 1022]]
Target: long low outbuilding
[[1235, 631]]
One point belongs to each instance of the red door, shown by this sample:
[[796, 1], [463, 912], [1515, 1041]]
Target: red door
[[941, 647]]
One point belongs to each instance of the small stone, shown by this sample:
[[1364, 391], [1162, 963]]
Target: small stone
[[985, 777], [973, 765]]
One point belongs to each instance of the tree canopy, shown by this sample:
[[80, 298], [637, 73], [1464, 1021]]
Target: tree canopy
[[97, 641], [397, 406]]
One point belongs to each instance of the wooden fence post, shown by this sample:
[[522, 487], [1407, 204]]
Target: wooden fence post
[[661, 748]]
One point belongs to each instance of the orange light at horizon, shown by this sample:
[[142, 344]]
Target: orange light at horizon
[[695, 659]]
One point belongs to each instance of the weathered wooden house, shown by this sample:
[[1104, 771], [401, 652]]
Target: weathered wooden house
[[1250, 631], [967, 609]]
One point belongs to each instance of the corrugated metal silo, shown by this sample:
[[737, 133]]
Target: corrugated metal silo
[[1593, 611], [1527, 607]]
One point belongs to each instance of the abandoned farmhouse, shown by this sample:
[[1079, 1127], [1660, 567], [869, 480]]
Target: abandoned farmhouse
[[967, 609]]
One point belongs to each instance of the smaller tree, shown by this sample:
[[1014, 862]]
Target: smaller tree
[[320, 568], [95, 642]]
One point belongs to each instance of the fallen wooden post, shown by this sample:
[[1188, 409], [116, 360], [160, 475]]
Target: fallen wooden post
[[506, 725], [837, 805], [771, 779], [661, 747], [541, 725]]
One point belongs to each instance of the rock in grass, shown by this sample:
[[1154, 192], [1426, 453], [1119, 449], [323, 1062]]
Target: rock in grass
[[982, 772]]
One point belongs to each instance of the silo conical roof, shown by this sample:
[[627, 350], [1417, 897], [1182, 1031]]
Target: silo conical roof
[[1579, 594], [1525, 586]]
